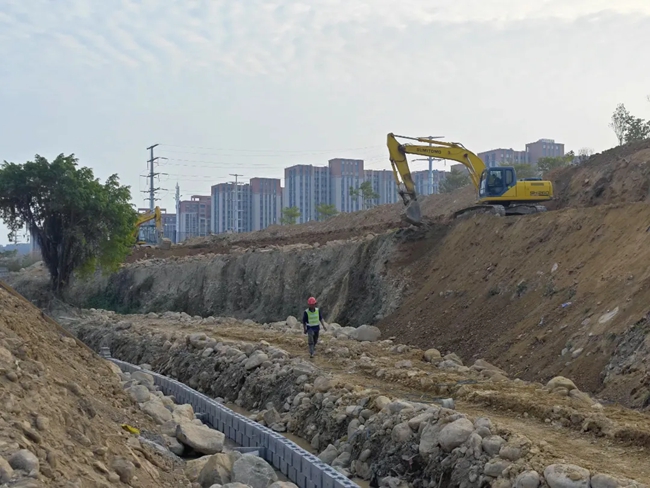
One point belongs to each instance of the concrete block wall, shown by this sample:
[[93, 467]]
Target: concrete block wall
[[297, 464]]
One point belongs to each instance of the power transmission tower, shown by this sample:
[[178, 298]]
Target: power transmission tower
[[235, 226], [152, 191]]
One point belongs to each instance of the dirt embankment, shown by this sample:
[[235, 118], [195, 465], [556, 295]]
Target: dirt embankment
[[62, 410]]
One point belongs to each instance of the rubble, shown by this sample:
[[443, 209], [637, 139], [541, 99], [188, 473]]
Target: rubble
[[357, 431]]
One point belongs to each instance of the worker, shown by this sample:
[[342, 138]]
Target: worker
[[312, 319]]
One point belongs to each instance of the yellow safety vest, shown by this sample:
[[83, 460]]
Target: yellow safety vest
[[313, 318]]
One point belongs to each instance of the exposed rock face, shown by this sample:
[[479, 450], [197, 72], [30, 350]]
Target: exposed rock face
[[347, 275]]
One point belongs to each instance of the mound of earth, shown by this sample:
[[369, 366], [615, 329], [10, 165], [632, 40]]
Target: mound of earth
[[619, 175], [62, 410]]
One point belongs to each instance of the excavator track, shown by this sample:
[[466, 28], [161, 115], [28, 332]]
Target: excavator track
[[500, 210]]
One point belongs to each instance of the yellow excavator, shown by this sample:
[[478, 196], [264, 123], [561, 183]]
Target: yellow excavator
[[140, 234], [499, 191]]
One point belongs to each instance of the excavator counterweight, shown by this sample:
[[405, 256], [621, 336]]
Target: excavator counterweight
[[498, 189]]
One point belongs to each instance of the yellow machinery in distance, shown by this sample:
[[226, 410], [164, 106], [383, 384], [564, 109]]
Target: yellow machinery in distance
[[148, 216], [499, 191]]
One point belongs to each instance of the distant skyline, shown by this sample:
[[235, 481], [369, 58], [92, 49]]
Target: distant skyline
[[252, 87]]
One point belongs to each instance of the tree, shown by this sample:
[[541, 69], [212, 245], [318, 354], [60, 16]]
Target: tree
[[78, 223], [620, 120], [325, 211], [546, 165], [289, 215], [636, 130], [454, 180], [366, 192], [523, 170]]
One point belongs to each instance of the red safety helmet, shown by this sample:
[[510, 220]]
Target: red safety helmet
[[311, 301]]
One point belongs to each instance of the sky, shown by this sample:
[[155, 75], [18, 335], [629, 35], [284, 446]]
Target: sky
[[252, 86]]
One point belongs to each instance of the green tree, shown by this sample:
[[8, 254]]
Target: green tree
[[365, 192], [454, 180], [289, 215], [546, 165], [627, 127], [522, 170], [619, 122], [636, 130], [78, 223], [325, 211]]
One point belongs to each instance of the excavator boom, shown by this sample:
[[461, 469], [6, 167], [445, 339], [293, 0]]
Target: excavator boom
[[507, 192]]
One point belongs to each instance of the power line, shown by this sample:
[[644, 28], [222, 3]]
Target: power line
[[280, 151]]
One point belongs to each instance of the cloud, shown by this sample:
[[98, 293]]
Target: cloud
[[256, 37]]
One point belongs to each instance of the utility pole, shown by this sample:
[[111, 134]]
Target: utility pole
[[431, 138], [151, 175], [236, 204], [178, 211]]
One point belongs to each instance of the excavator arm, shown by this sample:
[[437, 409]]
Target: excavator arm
[[148, 216], [437, 149]]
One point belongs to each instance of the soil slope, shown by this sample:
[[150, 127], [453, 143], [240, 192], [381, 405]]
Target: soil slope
[[62, 409]]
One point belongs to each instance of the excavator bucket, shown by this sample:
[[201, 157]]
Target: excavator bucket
[[413, 213]]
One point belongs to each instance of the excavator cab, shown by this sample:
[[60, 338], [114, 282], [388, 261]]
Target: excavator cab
[[496, 181]]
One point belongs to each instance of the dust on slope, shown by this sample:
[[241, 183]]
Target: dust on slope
[[491, 289], [340, 227], [64, 404]]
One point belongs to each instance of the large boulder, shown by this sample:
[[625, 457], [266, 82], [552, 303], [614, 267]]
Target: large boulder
[[200, 438], [566, 476], [216, 471], [527, 479], [157, 411], [365, 333], [139, 393], [561, 382], [253, 471], [454, 434]]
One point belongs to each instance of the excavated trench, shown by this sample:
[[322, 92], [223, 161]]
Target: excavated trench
[[366, 434]]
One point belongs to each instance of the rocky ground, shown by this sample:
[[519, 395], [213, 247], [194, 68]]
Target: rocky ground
[[379, 410], [62, 412]]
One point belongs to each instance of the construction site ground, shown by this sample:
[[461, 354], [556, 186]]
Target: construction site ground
[[622, 449], [564, 292]]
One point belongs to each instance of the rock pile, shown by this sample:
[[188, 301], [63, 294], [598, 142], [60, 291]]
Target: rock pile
[[357, 431], [213, 463]]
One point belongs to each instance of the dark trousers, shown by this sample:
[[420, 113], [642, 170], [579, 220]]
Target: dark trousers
[[312, 336]]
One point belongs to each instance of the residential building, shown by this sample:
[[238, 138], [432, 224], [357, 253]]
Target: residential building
[[345, 174], [193, 217], [544, 148], [306, 187], [230, 208], [502, 157], [383, 183], [169, 225], [459, 167], [266, 202], [421, 180]]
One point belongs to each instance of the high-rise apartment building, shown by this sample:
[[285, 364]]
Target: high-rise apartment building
[[266, 202], [169, 225], [502, 157], [383, 183], [544, 148], [193, 217], [345, 174], [306, 187], [421, 180], [230, 207]]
